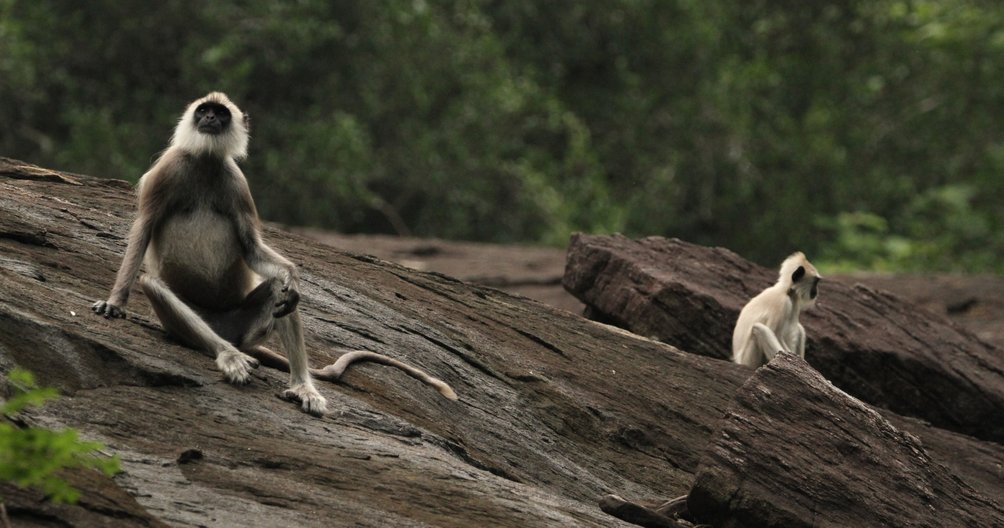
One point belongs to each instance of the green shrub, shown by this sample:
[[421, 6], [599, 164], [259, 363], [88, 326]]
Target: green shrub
[[32, 456]]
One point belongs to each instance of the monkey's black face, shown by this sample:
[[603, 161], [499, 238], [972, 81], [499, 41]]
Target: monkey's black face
[[212, 118], [815, 288]]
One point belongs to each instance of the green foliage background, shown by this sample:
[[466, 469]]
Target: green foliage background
[[867, 133], [34, 457]]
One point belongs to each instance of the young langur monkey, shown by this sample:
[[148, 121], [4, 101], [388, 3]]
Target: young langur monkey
[[769, 323], [213, 282]]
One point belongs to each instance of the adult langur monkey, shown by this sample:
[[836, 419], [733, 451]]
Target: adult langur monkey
[[213, 282], [768, 324]]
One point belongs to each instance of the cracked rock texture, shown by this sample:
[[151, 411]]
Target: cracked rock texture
[[794, 451], [554, 411], [876, 346]]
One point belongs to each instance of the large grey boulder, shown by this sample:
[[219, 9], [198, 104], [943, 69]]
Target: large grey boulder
[[874, 345], [555, 411], [795, 451]]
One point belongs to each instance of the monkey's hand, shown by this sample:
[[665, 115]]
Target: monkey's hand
[[108, 309], [288, 297]]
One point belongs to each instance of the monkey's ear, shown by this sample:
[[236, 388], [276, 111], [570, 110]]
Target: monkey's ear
[[247, 121], [799, 273]]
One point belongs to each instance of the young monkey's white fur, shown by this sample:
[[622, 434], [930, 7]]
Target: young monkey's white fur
[[211, 278], [769, 323]]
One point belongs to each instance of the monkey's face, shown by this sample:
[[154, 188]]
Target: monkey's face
[[805, 284], [212, 118], [212, 125]]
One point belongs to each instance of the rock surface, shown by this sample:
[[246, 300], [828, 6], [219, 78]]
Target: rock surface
[[555, 411], [104, 504], [795, 451], [872, 344], [531, 271], [975, 302]]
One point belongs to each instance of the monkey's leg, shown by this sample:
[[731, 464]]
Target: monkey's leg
[[767, 340], [301, 386], [181, 321], [250, 323]]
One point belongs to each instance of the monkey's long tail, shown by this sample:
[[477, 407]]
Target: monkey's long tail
[[334, 371]]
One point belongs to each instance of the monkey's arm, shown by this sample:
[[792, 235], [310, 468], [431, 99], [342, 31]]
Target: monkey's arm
[[150, 210], [265, 261], [262, 259], [139, 239], [800, 343], [767, 341]]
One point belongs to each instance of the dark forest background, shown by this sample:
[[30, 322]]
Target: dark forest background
[[866, 133]]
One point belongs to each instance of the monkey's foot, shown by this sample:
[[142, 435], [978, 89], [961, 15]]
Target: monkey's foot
[[310, 400], [108, 309], [236, 366]]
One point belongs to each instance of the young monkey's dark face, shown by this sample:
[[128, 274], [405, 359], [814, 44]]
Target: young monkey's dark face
[[805, 282], [212, 118]]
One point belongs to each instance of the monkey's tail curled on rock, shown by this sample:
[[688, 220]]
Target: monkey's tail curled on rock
[[334, 371]]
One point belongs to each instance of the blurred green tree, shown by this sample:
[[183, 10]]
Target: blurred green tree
[[33, 456], [763, 126]]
